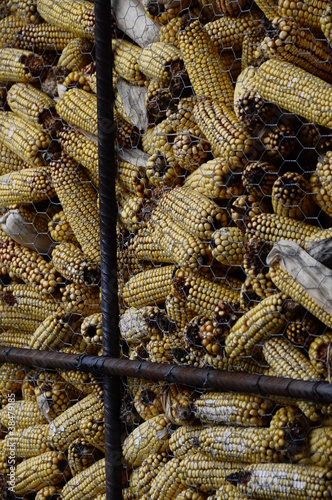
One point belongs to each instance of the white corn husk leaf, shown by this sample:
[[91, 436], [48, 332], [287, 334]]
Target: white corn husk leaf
[[131, 18], [133, 98], [311, 275]]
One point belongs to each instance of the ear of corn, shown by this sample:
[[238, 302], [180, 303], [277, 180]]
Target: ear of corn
[[49, 468], [283, 481], [78, 200], [150, 436], [18, 65], [306, 13], [26, 414], [76, 54], [69, 15], [28, 442], [78, 108]]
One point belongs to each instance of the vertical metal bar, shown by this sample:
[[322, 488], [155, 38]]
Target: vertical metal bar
[[108, 218]]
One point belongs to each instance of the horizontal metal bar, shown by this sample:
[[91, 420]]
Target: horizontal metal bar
[[208, 378]]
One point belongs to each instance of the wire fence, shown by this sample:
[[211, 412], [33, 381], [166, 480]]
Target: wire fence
[[165, 283]]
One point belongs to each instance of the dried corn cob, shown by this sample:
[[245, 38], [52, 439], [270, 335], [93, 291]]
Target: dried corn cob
[[42, 36], [26, 186], [25, 414], [78, 200], [251, 52], [215, 180], [31, 104], [162, 173], [141, 478], [227, 246], [160, 60], [320, 184], [287, 360], [289, 429], [138, 325], [92, 428], [81, 455], [28, 266], [148, 288], [291, 197], [246, 445], [9, 160], [149, 437], [28, 442], [319, 446], [14, 338], [70, 262], [303, 329], [65, 428], [177, 312], [148, 399], [79, 108], [200, 215], [80, 299], [53, 394], [23, 137], [286, 283], [273, 228], [231, 8], [25, 9], [298, 46], [146, 246], [17, 65], [207, 474], [53, 331], [168, 32], [91, 330], [85, 383], [9, 26], [224, 131], [235, 409], [11, 377], [49, 468], [184, 440], [306, 13], [275, 78], [71, 15], [258, 179], [48, 492], [76, 54], [202, 294], [283, 481], [267, 318], [191, 149], [204, 66], [320, 354], [81, 149], [23, 306], [60, 229], [228, 33], [167, 483], [126, 61]]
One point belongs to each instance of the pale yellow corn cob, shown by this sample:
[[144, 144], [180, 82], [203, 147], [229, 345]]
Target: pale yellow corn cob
[[28, 442], [306, 13], [267, 318], [23, 137], [126, 61], [70, 262], [49, 468], [65, 428], [78, 199], [76, 54], [149, 437], [283, 481], [71, 15], [149, 287], [18, 65], [53, 331], [141, 478], [234, 409], [287, 360], [78, 108], [29, 103], [310, 98], [9, 26], [42, 36], [167, 483], [207, 75], [23, 413]]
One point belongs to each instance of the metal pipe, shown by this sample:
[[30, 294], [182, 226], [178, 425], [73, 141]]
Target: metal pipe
[[207, 378], [108, 220]]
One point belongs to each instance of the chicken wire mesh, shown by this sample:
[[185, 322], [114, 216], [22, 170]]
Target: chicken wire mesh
[[222, 137]]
